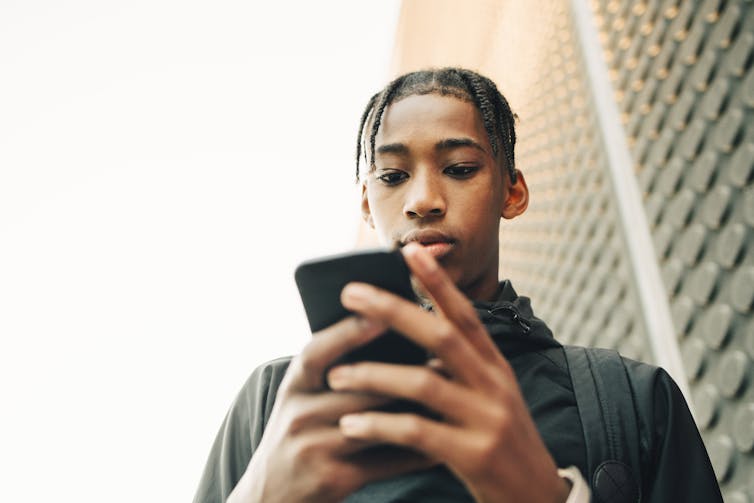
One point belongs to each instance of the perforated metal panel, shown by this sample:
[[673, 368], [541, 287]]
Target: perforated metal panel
[[567, 253], [683, 80]]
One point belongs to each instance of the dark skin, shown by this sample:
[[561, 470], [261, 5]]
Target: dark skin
[[437, 191]]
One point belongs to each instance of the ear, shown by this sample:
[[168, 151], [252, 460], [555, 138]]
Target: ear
[[366, 213], [517, 198]]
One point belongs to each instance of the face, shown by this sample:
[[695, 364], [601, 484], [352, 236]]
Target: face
[[435, 181]]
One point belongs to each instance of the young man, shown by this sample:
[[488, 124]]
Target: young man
[[441, 175]]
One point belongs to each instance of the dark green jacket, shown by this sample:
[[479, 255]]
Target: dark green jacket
[[675, 464]]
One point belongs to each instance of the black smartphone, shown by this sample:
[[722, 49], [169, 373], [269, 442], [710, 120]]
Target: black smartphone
[[320, 282]]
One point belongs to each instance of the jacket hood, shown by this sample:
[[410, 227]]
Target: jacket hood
[[511, 323]]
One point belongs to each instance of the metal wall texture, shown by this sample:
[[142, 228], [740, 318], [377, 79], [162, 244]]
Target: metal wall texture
[[684, 84]]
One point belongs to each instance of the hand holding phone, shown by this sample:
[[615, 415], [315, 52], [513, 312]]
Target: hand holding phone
[[320, 282]]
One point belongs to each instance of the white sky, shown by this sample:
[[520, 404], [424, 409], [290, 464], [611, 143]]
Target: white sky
[[164, 166]]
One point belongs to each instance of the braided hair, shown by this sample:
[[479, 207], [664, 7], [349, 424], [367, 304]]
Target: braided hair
[[456, 82]]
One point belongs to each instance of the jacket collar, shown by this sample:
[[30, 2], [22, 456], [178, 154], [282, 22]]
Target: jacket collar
[[511, 323]]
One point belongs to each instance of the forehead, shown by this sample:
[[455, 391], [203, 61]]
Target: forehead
[[430, 117]]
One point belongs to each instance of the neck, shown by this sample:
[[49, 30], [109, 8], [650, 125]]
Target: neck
[[484, 290], [485, 286]]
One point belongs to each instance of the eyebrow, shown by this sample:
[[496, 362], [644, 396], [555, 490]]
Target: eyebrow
[[393, 148], [446, 144], [451, 143]]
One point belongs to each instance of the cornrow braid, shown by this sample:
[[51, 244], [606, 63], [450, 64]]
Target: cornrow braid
[[497, 117], [508, 119], [364, 117], [485, 107], [387, 97]]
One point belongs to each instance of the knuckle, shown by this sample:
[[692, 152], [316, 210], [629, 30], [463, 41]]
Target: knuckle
[[502, 420], [413, 432], [446, 339], [425, 383], [496, 388], [296, 425], [300, 421], [304, 450], [501, 427], [354, 328], [488, 453]]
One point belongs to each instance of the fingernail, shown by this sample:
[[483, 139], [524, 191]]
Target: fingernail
[[356, 291], [338, 377], [352, 424]]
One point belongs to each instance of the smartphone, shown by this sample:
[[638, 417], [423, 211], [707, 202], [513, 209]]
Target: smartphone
[[320, 282]]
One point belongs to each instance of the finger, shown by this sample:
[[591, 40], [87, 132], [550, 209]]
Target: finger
[[330, 439], [327, 407], [439, 366], [387, 461], [448, 299], [419, 384], [437, 440], [326, 346], [432, 332]]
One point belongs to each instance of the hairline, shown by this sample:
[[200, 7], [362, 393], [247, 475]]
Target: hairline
[[440, 90]]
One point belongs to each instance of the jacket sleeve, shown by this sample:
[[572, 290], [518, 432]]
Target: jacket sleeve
[[240, 433], [675, 460]]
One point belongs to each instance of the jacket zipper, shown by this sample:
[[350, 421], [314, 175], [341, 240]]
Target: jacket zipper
[[514, 314]]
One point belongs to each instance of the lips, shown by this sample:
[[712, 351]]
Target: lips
[[437, 243]]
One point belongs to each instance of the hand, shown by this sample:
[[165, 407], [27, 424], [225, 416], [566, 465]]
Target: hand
[[486, 435], [303, 456]]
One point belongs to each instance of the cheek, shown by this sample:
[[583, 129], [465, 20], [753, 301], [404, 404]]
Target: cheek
[[485, 209], [483, 223], [381, 210]]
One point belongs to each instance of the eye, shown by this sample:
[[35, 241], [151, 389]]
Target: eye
[[392, 177], [461, 170]]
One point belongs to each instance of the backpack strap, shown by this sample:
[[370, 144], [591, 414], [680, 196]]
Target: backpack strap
[[608, 417]]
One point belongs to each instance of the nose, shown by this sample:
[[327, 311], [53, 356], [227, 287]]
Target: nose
[[425, 197]]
